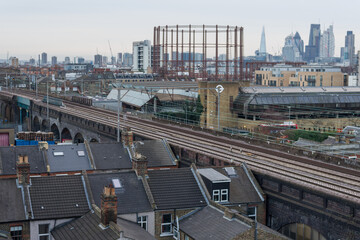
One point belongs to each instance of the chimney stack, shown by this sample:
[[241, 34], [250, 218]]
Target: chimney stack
[[139, 164], [127, 137], [23, 169], [108, 206]]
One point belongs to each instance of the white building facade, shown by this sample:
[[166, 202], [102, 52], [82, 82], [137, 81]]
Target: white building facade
[[141, 56]]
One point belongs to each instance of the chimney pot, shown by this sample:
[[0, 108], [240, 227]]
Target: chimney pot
[[23, 170]]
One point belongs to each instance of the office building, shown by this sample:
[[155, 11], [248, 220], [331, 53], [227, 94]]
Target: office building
[[290, 51], [262, 50], [98, 60], [32, 62], [348, 52], [299, 43], [43, 58], [113, 60], [14, 62], [312, 50], [53, 60], [141, 56], [327, 43]]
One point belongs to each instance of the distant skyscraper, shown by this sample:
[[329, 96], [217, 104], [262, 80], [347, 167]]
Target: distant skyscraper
[[290, 51], [81, 60], [43, 58], [119, 58], [32, 62], [327, 43], [263, 43], [113, 60], [14, 62], [299, 43], [98, 60], [67, 60], [104, 60], [313, 49], [127, 59], [348, 53], [53, 60]]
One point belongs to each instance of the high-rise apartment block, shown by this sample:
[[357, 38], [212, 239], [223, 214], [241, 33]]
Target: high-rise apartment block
[[312, 50], [141, 56], [98, 60], [80, 60], [53, 60], [67, 60], [127, 60], [119, 58], [43, 58], [14, 62]]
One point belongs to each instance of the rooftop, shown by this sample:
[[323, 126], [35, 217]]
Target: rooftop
[[11, 201], [110, 156], [175, 189], [58, 197], [72, 157], [129, 190]]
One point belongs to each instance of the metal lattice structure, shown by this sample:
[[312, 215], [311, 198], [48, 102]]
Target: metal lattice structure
[[205, 52]]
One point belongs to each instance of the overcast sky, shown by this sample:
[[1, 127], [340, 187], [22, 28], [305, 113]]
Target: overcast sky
[[80, 27]]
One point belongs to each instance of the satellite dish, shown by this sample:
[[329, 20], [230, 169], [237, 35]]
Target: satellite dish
[[219, 88]]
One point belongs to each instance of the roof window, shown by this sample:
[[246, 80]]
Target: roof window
[[56, 154], [116, 182], [81, 153]]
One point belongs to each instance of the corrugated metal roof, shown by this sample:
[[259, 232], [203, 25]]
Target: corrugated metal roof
[[131, 97], [299, 89]]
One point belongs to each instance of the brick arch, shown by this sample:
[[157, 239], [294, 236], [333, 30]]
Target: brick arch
[[55, 129], [79, 138], [301, 229], [44, 125], [66, 134]]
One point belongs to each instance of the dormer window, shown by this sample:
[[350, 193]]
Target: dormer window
[[220, 195], [224, 195]]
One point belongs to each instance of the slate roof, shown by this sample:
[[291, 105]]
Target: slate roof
[[241, 188], [9, 156], [85, 228], [55, 197], [175, 189], [110, 156], [70, 160], [209, 223], [131, 196], [11, 203], [157, 153]]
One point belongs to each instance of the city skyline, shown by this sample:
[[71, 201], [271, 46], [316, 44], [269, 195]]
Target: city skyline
[[85, 28]]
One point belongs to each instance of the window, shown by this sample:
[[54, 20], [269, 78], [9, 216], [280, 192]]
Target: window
[[142, 221], [166, 224], [224, 195], [116, 183], [216, 195], [251, 212], [44, 233], [187, 237], [16, 232]]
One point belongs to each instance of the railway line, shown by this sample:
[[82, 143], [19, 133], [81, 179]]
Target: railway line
[[339, 181]]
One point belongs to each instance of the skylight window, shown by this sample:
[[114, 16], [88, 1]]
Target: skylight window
[[116, 183], [58, 154], [81, 153]]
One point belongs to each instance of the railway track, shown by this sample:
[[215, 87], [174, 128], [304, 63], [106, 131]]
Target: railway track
[[342, 182]]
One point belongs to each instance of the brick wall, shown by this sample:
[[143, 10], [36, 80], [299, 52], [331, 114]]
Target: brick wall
[[25, 228]]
